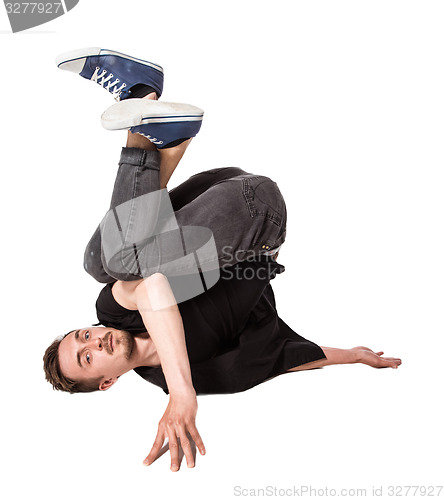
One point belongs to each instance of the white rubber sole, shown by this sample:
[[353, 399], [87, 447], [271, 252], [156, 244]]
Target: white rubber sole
[[75, 60], [134, 112]]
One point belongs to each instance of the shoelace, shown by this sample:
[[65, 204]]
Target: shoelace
[[154, 140], [116, 91]]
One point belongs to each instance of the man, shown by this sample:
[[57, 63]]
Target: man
[[187, 303]]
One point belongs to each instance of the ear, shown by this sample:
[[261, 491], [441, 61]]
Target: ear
[[106, 384]]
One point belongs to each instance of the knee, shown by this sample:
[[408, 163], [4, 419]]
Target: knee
[[92, 263], [122, 265]]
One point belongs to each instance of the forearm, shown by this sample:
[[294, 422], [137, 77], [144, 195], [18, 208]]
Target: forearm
[[339, 356], [162, 319], [166, 330], [333, 357]]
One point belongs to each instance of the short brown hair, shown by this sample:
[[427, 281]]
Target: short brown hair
[[54, 375]]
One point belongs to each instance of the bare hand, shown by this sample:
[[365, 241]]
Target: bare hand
[[375, 359], [178, 421]]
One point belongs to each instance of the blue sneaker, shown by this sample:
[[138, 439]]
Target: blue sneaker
[[115, 72], [161, 122]]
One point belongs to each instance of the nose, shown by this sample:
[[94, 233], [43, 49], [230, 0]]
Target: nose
[[98, 344]]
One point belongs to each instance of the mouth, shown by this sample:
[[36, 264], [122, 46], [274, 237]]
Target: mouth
[[108, 343]]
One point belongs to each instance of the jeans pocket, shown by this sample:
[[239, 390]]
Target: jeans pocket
[[263, 198]]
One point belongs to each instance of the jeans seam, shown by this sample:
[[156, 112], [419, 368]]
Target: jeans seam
[[246, 190], [139, 165], [131, 216]]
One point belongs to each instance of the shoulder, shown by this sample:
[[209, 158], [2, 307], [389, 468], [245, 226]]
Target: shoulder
[[124, 293], [128, 293]]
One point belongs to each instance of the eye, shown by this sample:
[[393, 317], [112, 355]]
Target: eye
[[87, 335], [88, 358]]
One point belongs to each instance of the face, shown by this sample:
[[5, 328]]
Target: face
[[96, 352]]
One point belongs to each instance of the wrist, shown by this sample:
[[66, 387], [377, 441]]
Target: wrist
[[355, 355], [187, 396], [182, 390]]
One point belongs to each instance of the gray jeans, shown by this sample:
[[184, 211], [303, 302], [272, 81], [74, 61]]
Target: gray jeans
[[244, 213]]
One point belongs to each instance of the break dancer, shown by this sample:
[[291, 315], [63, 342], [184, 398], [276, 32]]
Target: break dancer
[[187, 301]]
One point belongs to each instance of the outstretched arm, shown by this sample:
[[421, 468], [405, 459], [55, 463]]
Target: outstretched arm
[[156, 304], [358, 354]]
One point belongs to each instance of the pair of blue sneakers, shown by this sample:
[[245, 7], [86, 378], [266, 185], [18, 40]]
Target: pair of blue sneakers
[[163, 123]]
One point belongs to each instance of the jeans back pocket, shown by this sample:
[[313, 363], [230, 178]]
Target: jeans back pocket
[[264, 198]]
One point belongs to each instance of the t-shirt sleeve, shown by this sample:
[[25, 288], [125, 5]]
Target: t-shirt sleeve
[[110, 313]]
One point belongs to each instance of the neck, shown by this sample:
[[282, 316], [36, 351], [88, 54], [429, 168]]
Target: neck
[[144, 351]]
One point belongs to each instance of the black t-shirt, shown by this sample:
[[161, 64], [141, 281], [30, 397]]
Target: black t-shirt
[[234, 336]]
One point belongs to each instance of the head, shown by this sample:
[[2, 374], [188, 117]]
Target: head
[[88, 359]]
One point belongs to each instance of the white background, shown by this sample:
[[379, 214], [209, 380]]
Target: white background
[[341, 103]]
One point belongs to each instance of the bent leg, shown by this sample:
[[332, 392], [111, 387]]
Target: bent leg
[[142, 170], [197, 184], [246, 214], [138, 174]]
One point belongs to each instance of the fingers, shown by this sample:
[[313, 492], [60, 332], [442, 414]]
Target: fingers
[[390, 362], [158, 443], [395, 362], [174, 448], [186, 447], [178, 423], [197, 439], [189, 439]]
